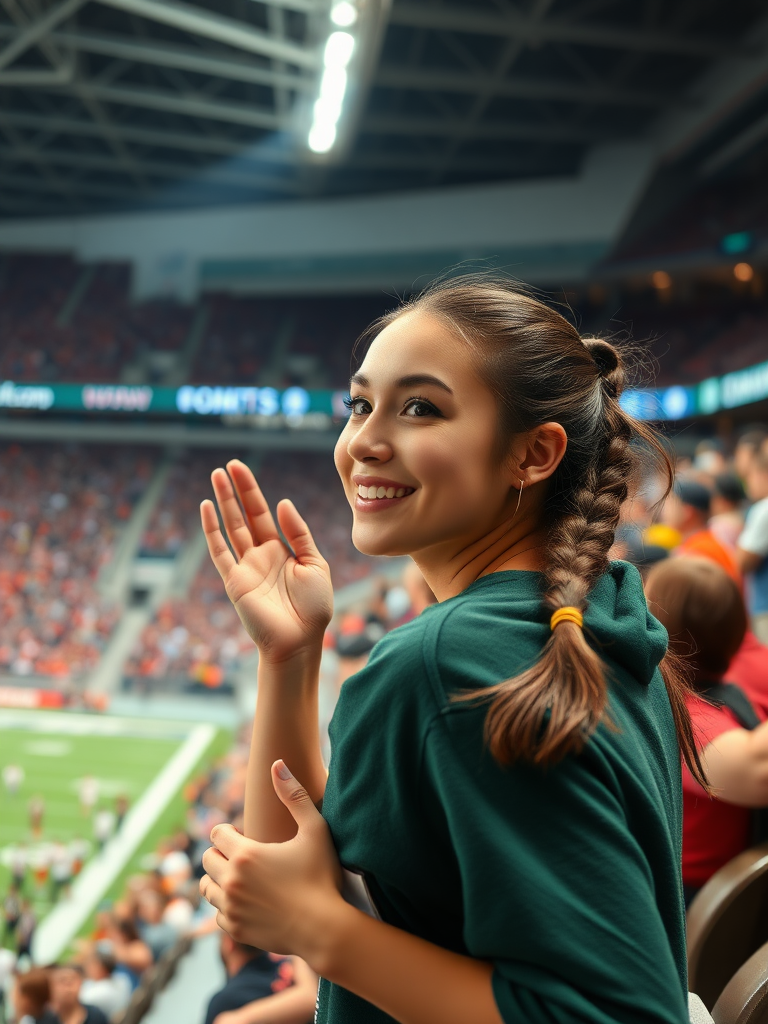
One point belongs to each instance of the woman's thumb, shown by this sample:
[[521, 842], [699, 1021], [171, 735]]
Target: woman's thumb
[[293, 795]]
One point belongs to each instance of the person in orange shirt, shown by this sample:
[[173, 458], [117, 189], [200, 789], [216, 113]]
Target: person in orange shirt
[[687, 509]]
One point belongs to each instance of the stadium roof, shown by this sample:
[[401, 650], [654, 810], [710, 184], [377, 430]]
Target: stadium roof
[[134, 104]]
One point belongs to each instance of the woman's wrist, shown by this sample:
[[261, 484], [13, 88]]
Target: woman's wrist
[[328, 935], [300, 666]]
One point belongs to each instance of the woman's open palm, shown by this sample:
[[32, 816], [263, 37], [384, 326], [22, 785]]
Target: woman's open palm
[[284, 600]]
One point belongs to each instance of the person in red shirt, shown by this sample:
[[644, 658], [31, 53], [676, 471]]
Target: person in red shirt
[[749, 670], [703, 611]]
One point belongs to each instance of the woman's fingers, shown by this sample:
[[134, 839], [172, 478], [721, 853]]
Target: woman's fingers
[[260, 520], [212, 892], [238, 530], [297, 534], [221, 556]]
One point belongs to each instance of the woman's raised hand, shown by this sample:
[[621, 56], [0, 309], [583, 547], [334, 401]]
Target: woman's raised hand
[[284, 600]]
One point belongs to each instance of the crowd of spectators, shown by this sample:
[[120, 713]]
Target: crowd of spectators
[[194, 642], [101, 332], [60, 515], [305, 341]]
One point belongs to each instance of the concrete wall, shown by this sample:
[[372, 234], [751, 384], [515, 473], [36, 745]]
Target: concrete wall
[[550, 231]]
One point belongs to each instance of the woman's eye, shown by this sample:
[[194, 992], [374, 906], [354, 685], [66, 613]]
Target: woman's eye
[[357, 406], [419, 408]]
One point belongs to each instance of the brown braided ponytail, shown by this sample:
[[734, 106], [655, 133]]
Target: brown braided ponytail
[[542, 371]]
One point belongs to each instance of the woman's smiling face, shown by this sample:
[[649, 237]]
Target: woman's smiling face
[[419, 454]]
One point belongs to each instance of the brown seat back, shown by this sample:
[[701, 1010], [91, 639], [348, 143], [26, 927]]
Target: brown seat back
[[744, 1000], [727, 922]]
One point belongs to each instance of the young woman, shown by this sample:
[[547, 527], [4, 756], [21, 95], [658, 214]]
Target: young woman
[[505, 777], [704, 613]]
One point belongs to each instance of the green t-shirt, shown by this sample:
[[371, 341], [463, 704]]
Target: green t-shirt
[[568, 878]]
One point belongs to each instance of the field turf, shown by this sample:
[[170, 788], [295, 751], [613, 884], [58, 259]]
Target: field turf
[[55, 761]]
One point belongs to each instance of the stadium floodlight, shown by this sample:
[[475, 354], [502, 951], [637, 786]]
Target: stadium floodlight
[[344, 14], [338, 49], [337, 54]]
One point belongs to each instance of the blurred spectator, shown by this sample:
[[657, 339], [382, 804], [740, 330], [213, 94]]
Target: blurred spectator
[[158, 934], [749, 669], [132, 955], [687, 509], [728, 498], [703, 611], [418, 590], [31, 996], [66, 982], [251, 975], [709, 458], [752, 551], [747, 446], [104, 987]]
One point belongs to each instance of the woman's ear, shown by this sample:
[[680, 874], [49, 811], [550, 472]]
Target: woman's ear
[[544, 451]]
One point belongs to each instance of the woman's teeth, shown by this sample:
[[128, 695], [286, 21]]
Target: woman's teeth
[[383, 492]]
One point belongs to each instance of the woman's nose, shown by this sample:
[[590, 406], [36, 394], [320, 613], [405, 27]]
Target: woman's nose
[[368, 444]]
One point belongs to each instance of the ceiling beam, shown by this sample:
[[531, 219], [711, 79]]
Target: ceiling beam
[[391, 77], [457, 19], [169, 55], [201, 22], [33, 14], [38, 29], [26, 183], [213, 175], [28, 78], [435, 126], [191, 105], [160, 137]]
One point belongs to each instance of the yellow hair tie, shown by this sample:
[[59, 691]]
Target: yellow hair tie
[[567, 614]]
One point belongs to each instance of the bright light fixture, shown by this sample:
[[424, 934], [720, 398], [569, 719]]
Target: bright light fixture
[[343, 14], [322, 136], [333, 85], [338, 49]]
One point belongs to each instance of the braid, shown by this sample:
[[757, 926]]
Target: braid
[[580, 541]]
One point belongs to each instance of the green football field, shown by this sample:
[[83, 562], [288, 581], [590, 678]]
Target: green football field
[[125, 761]]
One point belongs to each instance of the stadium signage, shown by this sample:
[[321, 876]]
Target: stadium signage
[[257, 404], [317, 409], [117, 397], [744, 386], [26, 396]]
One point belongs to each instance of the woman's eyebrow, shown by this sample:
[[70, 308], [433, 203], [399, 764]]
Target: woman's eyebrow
[[413, 380]]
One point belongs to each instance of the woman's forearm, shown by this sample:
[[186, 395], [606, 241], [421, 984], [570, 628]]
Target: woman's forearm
[[285, 726], [412, 980]]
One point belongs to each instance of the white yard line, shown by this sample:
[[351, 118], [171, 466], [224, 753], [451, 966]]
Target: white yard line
[[61, 925]]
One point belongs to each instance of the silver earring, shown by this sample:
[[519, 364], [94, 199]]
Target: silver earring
[[519, 497]]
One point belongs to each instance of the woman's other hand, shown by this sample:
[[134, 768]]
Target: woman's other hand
[[276, 896], [284, 600]]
